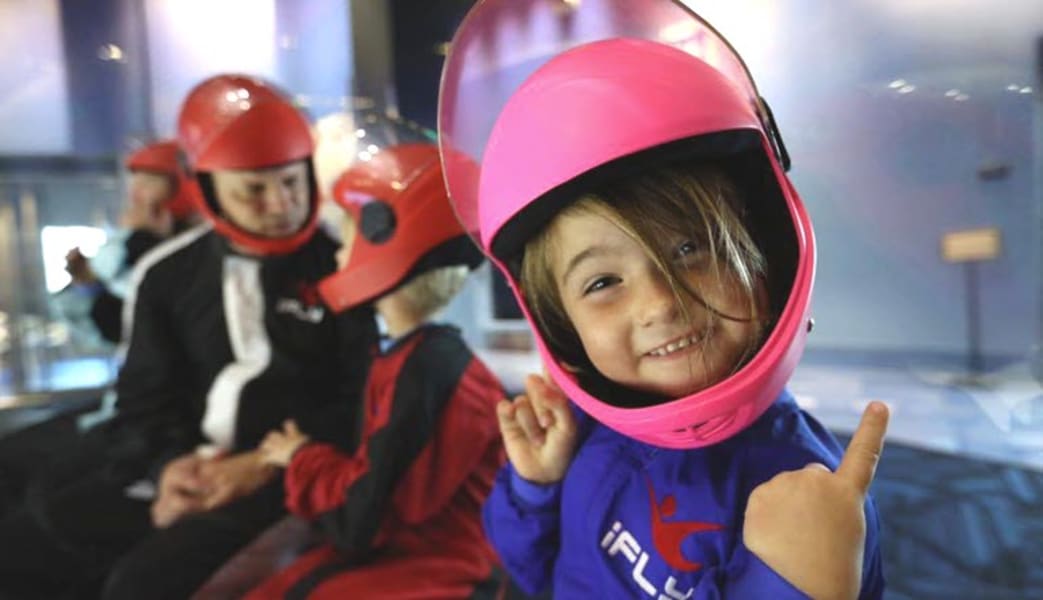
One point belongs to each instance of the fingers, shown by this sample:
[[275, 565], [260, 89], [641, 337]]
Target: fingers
[[548, 401], [290, 428], [270, 445], [218, 496], [550, 405], [816, 467], [863, 453], [173, 504], [525, 414], [187, 480], [518, 422], [510, 428], [543, 410], [538, 393]]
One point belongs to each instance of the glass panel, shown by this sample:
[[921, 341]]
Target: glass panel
[[47, 341]]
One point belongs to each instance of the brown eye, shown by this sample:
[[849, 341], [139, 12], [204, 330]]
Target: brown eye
[[599, 284], [686, 248], [289, 180], [689, 254]]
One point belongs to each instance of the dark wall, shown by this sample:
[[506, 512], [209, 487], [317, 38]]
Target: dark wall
[[108, 98], [419, 30]]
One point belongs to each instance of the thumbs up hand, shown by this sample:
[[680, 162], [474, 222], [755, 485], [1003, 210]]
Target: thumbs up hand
[[808, 525]]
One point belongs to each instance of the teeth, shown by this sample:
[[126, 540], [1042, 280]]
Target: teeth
[[675, 346]]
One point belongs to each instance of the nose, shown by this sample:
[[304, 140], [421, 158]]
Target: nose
[[277, 200], [656, 302]]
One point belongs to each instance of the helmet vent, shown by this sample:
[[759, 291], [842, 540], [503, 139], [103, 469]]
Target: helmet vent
[[706, 429], [377, 221]]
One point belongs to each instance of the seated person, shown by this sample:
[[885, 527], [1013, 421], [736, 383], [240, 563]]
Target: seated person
[[159, 205], [227, 326], [402, 513]]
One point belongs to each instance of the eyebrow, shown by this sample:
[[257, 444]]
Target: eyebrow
[[589, 252]]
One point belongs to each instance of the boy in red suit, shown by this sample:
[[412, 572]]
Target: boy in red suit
[[401, 514]]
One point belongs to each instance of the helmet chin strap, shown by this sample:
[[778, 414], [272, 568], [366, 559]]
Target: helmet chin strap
[[266, 246]]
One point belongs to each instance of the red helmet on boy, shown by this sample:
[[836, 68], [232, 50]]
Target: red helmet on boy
[[235, 122], [405, 225], [162, 157]]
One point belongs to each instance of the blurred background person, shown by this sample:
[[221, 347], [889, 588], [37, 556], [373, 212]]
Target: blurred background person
[[227, 338], [159, 205]]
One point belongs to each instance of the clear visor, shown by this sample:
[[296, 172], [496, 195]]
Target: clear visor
[[345, 139], [502, 42]]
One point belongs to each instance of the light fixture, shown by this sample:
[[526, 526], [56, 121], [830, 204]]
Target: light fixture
[[111, 52]]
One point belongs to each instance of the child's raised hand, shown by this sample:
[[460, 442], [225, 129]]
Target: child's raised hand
[[278, 447], [809, 526], [539, 431]]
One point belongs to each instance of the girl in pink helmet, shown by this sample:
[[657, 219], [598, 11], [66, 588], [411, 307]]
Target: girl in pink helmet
[[634, 195]]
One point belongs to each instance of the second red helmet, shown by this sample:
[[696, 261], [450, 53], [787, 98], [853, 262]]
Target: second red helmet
[[404, 224]]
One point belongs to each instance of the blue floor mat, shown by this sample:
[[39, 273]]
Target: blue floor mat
[[958, 528]]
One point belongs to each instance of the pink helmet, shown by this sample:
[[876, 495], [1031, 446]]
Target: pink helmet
[[620, 98]]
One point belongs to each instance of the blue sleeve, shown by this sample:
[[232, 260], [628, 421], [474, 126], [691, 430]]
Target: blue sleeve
[[522, 520], [749, 577], [796, 439], [873, 582]]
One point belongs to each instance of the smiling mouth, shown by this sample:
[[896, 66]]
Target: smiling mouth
[[676, 345]]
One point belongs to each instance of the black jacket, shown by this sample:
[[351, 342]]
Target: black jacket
[[223, 347]]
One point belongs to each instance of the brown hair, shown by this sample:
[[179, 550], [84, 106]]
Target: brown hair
[[697, 202]]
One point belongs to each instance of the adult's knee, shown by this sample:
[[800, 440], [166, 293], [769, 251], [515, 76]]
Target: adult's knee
[[171, 563]]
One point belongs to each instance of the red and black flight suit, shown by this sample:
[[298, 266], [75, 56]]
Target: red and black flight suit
[[403, 513]]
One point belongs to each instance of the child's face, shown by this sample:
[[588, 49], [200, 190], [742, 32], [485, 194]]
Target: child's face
[[628, 319]]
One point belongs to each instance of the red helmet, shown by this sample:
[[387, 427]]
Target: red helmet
[[404, 221], [235, 122], [162, 158]]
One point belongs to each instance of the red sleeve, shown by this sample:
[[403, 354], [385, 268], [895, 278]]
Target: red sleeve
[[467, 434], [427, 433], [318, 478]]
